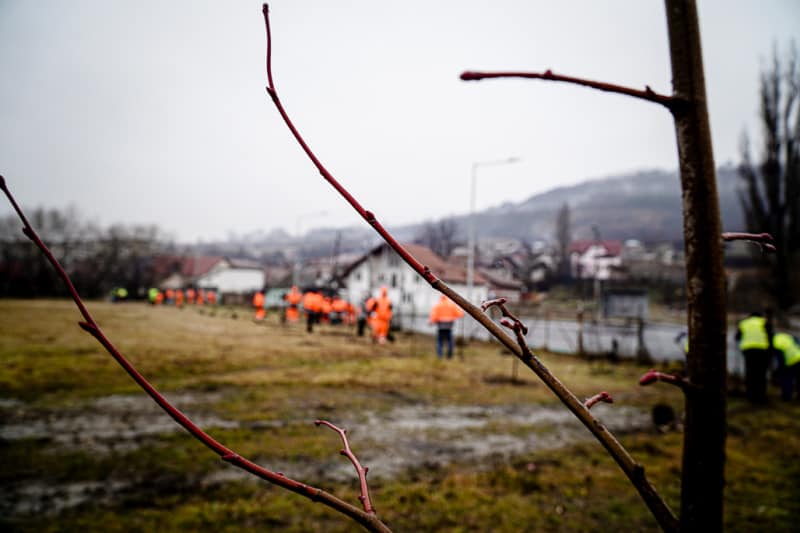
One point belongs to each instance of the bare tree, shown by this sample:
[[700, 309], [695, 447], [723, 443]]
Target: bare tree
[[96, 258], [771, 195], [439, 236], [563, 236]]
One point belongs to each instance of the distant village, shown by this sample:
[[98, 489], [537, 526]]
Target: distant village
[[503, 267], [351, 264], [517, 253]]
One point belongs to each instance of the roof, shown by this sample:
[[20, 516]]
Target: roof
[[244, 264], [447, 272], [614, 248], [500, 282], [188, 266]]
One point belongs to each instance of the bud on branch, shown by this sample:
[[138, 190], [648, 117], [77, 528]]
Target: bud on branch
[[653, 376], [501, 303], [603, 397]]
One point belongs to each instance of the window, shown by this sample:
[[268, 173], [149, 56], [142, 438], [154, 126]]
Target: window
[[394, 281]]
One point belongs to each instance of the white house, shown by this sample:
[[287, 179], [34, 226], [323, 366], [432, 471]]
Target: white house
[[231, 278], [411, 295], [600, 260]]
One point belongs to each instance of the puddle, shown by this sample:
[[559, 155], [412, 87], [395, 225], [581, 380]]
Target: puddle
[[113, 423], [46, 498], [389, 443], [412, 436]]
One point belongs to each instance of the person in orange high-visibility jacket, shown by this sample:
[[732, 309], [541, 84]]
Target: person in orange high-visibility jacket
[[325, 309], [312, 305], [258, 303], [339, 310], [293, 298], [382, 309], [350, 314], [170, 294], [160, 298], [211, 296], [190, 296], [200, 299], [179, 299], [444, 314], [365, 314]]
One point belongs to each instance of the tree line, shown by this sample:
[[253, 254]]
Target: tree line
[[96, 258]]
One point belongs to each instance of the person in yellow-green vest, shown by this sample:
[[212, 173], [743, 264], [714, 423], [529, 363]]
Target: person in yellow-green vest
[[787, 349], [152, 295], [754, 334]]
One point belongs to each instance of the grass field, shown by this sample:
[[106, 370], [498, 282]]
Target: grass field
[[451, 445]]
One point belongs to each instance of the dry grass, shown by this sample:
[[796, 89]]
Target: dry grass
[[274, 379]]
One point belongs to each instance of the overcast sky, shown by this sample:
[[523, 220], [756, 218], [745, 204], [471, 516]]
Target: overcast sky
[[155, 112]]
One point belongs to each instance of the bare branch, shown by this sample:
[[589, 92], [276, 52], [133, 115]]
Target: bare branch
[[367, 520], [632, 470], [516, 327], [670, 102], [501, 303], [603, 397], [360, 470], [764, 240], [652, 376], [489, 303], [366, 215]]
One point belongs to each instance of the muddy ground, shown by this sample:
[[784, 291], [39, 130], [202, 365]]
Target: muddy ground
[[389, 443]]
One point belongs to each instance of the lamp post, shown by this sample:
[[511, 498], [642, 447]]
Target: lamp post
[[471, 250]]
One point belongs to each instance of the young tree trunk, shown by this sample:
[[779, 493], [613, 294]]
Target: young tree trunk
[[704, 437]]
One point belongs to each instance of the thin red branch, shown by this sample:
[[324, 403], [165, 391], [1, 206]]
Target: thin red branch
[[501, 303], [603, 397], [516, 327], [27, 229], [90, 325], [632, 470], [764, 240], [421, 269], [652, 376], [648, 94], [360, 470], [511, 322]]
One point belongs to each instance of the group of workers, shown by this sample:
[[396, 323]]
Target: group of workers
[[762, 348], [180, 297], [373, 311], [176, 297], [317, 307]]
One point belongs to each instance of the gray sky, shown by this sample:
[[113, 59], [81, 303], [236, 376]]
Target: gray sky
[[156, 112]]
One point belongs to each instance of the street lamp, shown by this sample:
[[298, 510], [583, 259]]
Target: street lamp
[[471, 251]]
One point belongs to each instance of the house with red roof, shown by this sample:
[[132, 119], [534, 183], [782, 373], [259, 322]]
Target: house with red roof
[[230, 277], [411, 295], [595, 259]]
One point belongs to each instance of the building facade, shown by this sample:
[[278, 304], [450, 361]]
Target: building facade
[[411, 295]]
